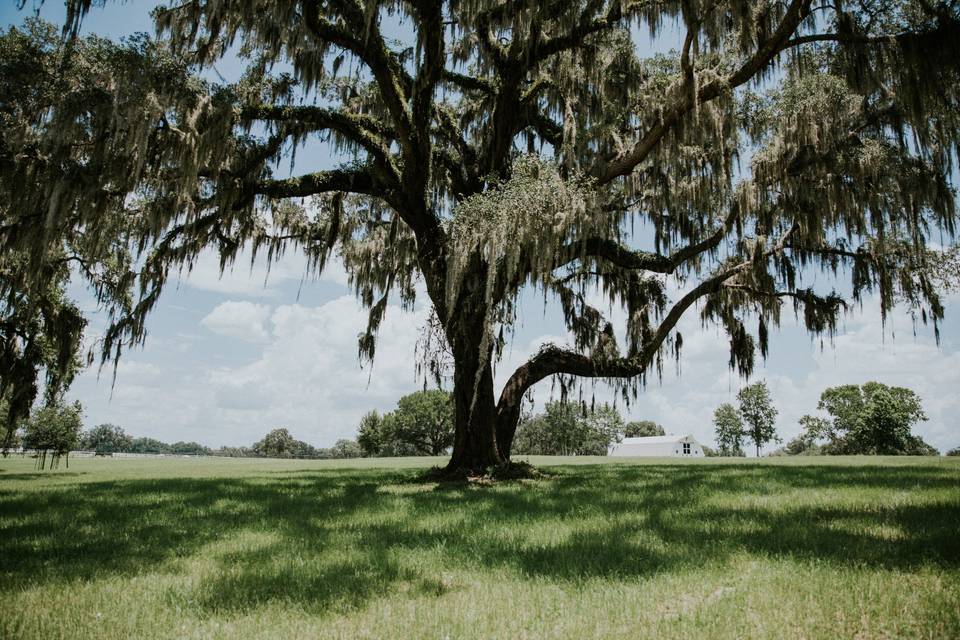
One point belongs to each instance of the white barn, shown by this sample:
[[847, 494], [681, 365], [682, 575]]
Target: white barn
[[658, 446]]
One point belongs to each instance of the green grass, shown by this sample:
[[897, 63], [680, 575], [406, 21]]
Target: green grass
[[782, 548]]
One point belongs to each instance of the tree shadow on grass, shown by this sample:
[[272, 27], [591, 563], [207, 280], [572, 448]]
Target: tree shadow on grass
[[337, 538], [40, 475]]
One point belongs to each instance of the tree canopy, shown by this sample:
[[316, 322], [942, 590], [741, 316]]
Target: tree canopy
[[568, 429], [278, 443], [759, 414], [53, 429], [492, 147], [868, 419], [421, 425], [106, 439], [643, 428], [729, 429]]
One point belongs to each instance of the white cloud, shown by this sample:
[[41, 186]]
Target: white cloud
[[242, 320], [308, 377], [137, 369]]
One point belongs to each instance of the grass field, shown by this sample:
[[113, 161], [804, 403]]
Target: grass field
[[780, 548]]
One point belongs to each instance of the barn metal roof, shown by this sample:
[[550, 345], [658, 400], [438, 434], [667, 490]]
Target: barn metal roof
[[658, 439]]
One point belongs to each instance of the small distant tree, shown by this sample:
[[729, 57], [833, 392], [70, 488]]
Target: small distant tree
[[801, 446], [277, 444], [306, 451], [380, 438], [533, 437], [812, 428], [728, 427], [54, 430], [642, 429], [758, 414], [560, 429], [603, 426], [106, 439], [709, 452], [344, 448], [953, 452], [421, 425], [370, 436], [424, 420], [868, 419]]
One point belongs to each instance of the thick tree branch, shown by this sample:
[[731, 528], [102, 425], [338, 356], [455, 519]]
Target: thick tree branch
[[431, 69], [467, 83], [825, 249], [365, 41], [545, 127], [348, 181], [625, 258], [365, 131], [356, 125], [764, 54], [586, 26], [553, 360]]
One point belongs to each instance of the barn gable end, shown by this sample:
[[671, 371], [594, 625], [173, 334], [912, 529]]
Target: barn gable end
[[681, 446]]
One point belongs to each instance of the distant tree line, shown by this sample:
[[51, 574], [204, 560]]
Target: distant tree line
[[280, 443], [107, 439], [423, 425], [868, 419], [52, 432]]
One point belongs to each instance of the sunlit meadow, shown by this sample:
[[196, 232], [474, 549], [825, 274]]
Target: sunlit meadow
[[228, 548]]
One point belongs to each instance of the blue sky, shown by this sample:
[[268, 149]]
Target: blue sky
[[229, 358]]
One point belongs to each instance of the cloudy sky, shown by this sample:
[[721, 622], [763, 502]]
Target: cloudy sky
[[230, 357]]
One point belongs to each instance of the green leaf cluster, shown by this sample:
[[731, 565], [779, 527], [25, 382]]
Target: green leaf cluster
[[421, 425], [868, 419]]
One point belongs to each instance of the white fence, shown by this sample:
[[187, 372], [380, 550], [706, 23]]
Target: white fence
[[93, 454]]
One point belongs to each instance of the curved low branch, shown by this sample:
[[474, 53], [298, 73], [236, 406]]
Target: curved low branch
[[553, 360]]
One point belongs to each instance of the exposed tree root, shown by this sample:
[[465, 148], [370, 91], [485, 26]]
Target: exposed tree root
[[506, 471]]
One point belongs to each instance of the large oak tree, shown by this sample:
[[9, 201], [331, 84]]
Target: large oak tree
[[489, 147]]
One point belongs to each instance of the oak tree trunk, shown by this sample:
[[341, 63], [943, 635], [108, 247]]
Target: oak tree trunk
[[475, 441]]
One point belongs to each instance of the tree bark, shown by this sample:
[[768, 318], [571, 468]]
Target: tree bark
[[507, 418], [475, 439]]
